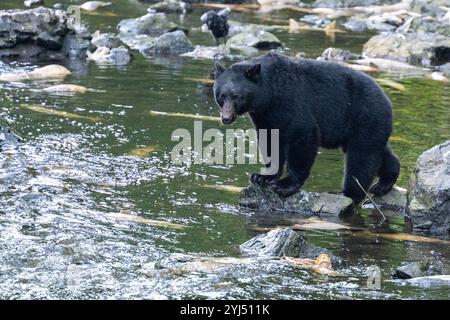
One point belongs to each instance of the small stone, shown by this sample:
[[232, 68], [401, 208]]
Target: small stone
[[33, 3]]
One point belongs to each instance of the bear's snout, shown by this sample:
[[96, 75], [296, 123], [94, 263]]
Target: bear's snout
[[228, 114]]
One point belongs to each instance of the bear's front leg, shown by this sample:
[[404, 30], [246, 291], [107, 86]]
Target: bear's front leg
[[301, 154], [264, 180]]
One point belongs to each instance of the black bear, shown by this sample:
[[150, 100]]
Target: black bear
[[313, 104]]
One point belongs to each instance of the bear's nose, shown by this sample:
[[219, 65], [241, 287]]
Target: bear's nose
[[227, 120]]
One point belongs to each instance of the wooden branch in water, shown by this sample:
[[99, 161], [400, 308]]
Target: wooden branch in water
[[371, 200]]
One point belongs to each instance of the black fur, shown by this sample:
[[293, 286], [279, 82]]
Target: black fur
[[218, 24], [313, 104]]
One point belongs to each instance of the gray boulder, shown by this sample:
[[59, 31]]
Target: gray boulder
[[171, 43], [257, 198], [31, 33], [429, 190], [415, 48]]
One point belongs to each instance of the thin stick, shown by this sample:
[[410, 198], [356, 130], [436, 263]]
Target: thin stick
[[371, 200]]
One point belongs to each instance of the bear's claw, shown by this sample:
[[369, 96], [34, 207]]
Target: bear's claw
[[284, 187], [262, 180]]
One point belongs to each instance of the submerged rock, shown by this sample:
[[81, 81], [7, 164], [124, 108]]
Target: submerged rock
[[171, 6], [415, 48], [257, 198], [429, 190], [283, 242], [418, 269], [171, 43], [26, 34]]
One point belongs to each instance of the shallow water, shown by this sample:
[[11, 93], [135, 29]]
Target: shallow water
[[65, 190]]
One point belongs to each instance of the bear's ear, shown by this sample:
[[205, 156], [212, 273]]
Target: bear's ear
[[219, 69], [253, 72]]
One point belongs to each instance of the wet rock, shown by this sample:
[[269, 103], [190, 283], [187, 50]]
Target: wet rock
[[109, 40], [431, 281], [350, 3], [33, 3], [356, 25], [336, 54], [171, 43], [415, 48], [151, 24], [315, 20], [171, 6], [427, 24], [419, 269], [258, 39], [445, 68], [394, 199], [40, 30], [283, 242], [257, 198], [429, 190], [115, 56], [213, 53]]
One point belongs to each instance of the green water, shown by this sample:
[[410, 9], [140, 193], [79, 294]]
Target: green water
[[60, 189]]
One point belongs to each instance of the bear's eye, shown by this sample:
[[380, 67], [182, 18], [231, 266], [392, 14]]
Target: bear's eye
[[221, 99]]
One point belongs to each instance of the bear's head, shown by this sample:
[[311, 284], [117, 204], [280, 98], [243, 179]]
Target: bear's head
[[236, 89]]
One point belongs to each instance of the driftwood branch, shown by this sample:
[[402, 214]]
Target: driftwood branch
[[371, 200]]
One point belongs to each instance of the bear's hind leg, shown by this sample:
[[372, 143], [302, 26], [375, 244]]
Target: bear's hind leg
[[387, 173], [362, 165]]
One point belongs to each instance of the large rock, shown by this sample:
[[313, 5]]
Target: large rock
[[283, 243], [415, 48], [262, 199], [171, 43], [30, 33], [429, 190]]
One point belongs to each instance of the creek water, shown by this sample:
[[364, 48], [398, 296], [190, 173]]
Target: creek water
[[64, 191]]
